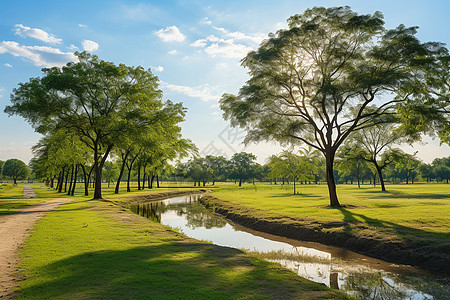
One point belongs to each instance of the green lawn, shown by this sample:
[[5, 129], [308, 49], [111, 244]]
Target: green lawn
[[420, 212], [90, 249], [11, 198]]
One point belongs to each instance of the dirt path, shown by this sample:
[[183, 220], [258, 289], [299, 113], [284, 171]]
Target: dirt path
[[14, 229]]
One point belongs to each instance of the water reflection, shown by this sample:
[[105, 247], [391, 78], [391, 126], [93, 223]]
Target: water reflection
[[358, 275]]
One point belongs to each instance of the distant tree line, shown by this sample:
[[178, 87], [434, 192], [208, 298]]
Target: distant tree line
[[308, 167]]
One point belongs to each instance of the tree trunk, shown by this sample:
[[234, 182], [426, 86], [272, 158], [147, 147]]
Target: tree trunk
[[67, 179], [380, 177], [329, 160], [122, 168], [71, 182], [143, 180], [60, 181], [128, 180], [86, 181], [240, 181], [294, 187], [139, 177], [98, 169], [74, 180], [151, 182], [157, 181], [130, 167]]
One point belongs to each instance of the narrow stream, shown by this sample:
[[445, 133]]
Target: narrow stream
[[358, 275]]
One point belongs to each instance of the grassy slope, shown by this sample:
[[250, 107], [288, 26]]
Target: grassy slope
[[418, 212], [96, 249]]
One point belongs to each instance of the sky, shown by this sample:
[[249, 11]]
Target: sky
[[194, 47]]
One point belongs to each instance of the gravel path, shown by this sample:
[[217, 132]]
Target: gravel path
[[14, 229], [28, 193]]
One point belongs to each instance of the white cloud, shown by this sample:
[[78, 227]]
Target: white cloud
[[73, 47], [8, 65], [158, 69], [39, 55], [1, 90], [199, 43], [204, 91], [236, 35], [82, 26], [170, 34], [36, 33], [221, 47], [206, 21], [173, 52], [228, 44], [90, 46]]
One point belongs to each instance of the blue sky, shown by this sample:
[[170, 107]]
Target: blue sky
[[194, 47]]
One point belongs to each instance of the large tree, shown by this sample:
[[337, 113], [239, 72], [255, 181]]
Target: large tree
[[242, 165], [332, 72], [16, 169], [92, 98], [374, 145]]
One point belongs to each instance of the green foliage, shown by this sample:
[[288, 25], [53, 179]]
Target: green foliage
[[242, 166], [325, 77], [15, 169], [104, 106], [1, 167], [442, 168]]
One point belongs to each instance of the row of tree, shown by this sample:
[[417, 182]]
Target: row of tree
[[92, 110], [309, 167]]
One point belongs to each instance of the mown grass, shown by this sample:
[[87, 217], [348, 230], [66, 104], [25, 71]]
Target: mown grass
[[420, 212], [90, 249], [11, 199]]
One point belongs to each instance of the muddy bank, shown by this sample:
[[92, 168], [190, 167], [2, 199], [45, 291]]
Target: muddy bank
[[339, 234]]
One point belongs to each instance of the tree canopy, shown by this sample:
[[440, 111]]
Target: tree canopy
[[332, 72], [16, 169], [101, 103]]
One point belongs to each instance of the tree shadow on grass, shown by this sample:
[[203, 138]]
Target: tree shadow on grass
[[16, 212], [167, 271], [404, 232], [399, 194], [291, 194]]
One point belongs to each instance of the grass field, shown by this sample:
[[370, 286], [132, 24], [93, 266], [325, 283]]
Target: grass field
[[90, 249], [11, 199], [419, 212]]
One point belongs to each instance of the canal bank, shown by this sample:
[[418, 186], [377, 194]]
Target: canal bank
[[402, 251], [358, 275]]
